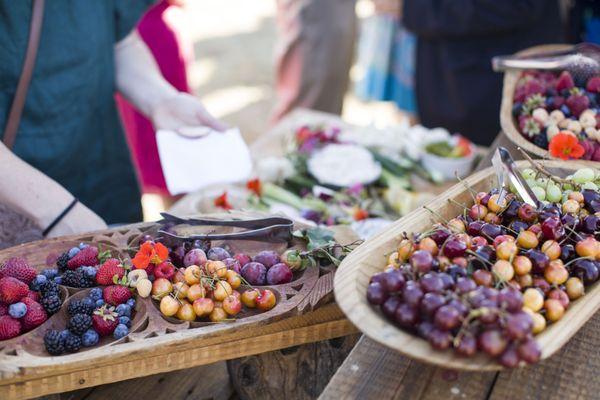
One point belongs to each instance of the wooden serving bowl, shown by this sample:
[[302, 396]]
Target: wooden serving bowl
[[352, 279], [509, 123]]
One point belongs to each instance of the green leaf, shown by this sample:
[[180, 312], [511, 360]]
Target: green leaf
[[318, 237]]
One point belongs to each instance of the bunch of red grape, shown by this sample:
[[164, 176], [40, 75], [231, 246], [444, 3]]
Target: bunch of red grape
[[493, 277]]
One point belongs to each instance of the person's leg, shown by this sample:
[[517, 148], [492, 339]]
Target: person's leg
[[315, 51]]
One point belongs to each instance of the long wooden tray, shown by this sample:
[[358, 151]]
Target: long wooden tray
[[508, 122], [369, 258], [23, 358]]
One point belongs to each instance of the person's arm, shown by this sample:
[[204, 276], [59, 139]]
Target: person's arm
[[435, 18], [139, 79], [31, 193]]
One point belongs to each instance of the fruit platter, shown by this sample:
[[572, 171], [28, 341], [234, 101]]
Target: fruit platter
[[552, 114], [475, 281], [124, 290]]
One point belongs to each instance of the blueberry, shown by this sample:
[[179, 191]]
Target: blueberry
[[123, 310], [73, 252], [120, 331], [38, 281], [125, 321], [88, 301], [58, 280], [131, 303], [82, 246], [50, 273], [99, 303], [17, 310], [90, 272], [565, 110], [65, 333], [95, 294], [516, 110], [90, 338]]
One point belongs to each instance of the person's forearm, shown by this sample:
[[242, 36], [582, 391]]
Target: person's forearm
[[138, 77], [29, 192]]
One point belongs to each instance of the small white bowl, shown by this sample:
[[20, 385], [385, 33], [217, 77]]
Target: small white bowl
[[449, 167]]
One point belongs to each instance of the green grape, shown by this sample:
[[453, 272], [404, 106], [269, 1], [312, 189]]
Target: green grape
[[567, 186], [589, 185], [531, 183], [542, 182], [528, 173], [584, 175], [539, 192], [553, 193]]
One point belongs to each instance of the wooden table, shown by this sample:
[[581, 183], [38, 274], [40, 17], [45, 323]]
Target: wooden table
[[372, 371]]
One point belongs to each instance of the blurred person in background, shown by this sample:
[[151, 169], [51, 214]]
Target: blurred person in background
[[161, 29], [386, 57], [69, 128], [456, 40], [583, 21], [314, 54]]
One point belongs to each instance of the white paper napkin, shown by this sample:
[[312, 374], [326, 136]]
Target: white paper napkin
[[190, 164]]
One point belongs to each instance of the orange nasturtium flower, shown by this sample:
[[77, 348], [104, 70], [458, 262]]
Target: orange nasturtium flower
[[222, 202], [150, 253], [254, 185], [360, 214], [566, 146]]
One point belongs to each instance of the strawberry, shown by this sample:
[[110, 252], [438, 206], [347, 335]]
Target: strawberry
[[87, 256], [577, 102], [35, 296], [565, 81], [3, 309], [35, 316], [108, 270], [12, 290], [9, 327], [18, 267], [105, 320], [116, 294], [164, 270], [593, 85]]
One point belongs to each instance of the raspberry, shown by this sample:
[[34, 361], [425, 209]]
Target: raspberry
[[18, 268], [116, 294], [79, 323], [54, 342], [36, 315], [3, 309], [565, 81], [12, 290], [9, 327]]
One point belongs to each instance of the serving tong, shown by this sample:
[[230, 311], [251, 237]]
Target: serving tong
[[271, 229], [506, 171]]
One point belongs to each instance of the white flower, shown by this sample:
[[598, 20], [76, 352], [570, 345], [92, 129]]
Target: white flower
[[588, 119], [274, 169], [592, 133], [552, 131]]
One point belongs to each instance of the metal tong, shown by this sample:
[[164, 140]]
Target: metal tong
[[271, 229], [507, 174]]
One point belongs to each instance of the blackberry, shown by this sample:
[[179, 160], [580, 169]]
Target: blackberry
[[79, 307], [54, 343], [51, 303], [79, 323], [76, 279], [62, 261], [541, 140], [73, 343], [49, 288]]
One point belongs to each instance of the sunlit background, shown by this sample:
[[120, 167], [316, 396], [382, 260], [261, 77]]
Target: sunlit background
[[233, 69]]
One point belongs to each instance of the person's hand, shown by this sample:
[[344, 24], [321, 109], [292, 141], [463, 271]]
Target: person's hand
[[79, 220], [183, 110]]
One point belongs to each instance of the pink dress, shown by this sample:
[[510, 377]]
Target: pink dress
[[159, 30]]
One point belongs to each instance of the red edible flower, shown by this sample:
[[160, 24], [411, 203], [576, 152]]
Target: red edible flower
[[303, 134], [255, 186], [222, 202], [150, 253], [360, 214], [565, 146]]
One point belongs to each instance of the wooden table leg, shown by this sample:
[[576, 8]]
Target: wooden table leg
[[299, 372]]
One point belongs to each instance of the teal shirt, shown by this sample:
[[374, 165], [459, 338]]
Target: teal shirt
[[70, 128]]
